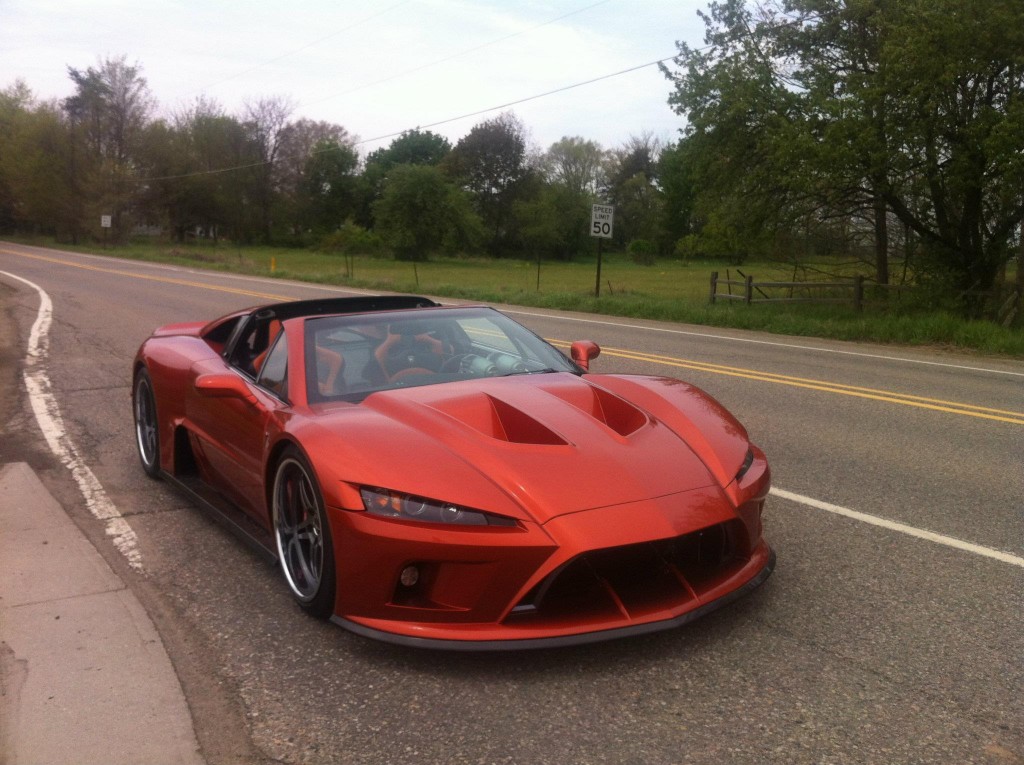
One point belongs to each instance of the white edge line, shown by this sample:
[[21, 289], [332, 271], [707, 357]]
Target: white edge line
[[903, 528], [797, 346], [47, 413]]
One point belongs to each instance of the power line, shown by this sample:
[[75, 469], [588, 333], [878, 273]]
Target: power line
[[461, 53], [479, 112], [525, 100], [308, 45], [434, 124]]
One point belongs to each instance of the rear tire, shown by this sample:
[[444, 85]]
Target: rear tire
[[302, 534], [147, 430]]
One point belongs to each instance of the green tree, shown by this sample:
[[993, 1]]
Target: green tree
[[421, 212], [107, 114], [328, 185], [737, 106], [637, 156], [323, 202], [14, 102], [193, 191], [86, 113], [554, 222], [413, 147], [265, 120], [812, 110], [576, 164], [956, 76], [631, 184], [638, 210], [491, 163], [162, 157], [34, 152], [677, 176]]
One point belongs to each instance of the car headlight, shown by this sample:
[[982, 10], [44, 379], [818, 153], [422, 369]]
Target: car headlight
[[747, 462], [393, 504]]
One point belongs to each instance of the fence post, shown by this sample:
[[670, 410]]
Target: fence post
[[714, 285], [858, 292], [749, 287]]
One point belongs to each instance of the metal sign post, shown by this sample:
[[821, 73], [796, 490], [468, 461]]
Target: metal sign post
[[105, 221], [601, 219]]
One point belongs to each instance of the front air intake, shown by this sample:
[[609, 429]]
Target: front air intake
[[635, 581]]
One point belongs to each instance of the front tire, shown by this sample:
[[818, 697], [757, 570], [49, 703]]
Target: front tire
[[305, 547], [147, 430]]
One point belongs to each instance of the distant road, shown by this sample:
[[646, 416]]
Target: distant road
[[874, 642]]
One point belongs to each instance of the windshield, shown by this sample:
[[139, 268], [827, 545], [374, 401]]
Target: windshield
[[350, 357]]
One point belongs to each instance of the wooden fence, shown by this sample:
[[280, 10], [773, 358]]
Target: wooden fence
[[747, 287], [1006, 301]]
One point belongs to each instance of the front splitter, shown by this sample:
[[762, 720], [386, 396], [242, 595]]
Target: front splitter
[[583, 638]]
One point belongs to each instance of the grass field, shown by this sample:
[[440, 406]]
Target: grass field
[[670, 290]]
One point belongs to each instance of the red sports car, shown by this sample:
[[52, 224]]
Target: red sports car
[[442, 477]]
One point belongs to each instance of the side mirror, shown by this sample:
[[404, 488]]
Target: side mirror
[[224, 386], [584, 351]]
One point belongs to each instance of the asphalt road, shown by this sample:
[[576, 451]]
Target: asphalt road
[[868, 644]]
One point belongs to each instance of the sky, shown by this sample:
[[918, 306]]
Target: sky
[[376, 68]]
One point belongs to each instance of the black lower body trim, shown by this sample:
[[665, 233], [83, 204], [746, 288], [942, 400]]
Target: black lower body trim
[[226, 514]]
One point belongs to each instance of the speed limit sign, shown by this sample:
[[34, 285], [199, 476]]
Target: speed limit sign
[[601, 217]]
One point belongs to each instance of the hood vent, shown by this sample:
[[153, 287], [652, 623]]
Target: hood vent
[[519, 428], [617, 413], [497, 419]]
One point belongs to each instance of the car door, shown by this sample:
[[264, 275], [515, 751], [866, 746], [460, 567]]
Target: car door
[[232, 430]]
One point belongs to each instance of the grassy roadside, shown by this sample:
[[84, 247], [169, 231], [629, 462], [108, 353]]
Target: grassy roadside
[[669, 291]]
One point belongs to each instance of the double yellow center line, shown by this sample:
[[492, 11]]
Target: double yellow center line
[[892, 397], [873, 394]]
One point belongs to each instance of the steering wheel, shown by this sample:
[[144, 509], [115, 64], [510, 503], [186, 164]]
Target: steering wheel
[[471, 363], [408, 354], [455, 363], [401, 374]]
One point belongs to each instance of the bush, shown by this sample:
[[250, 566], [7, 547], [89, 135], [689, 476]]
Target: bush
[[642, 252], [351, 239]]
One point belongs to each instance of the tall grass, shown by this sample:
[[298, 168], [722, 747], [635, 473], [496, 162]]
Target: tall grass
[[669, 291]]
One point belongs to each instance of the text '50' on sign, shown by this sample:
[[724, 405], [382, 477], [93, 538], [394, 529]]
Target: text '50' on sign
[[601, 217]]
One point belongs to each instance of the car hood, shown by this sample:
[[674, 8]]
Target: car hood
[[552, 444]]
